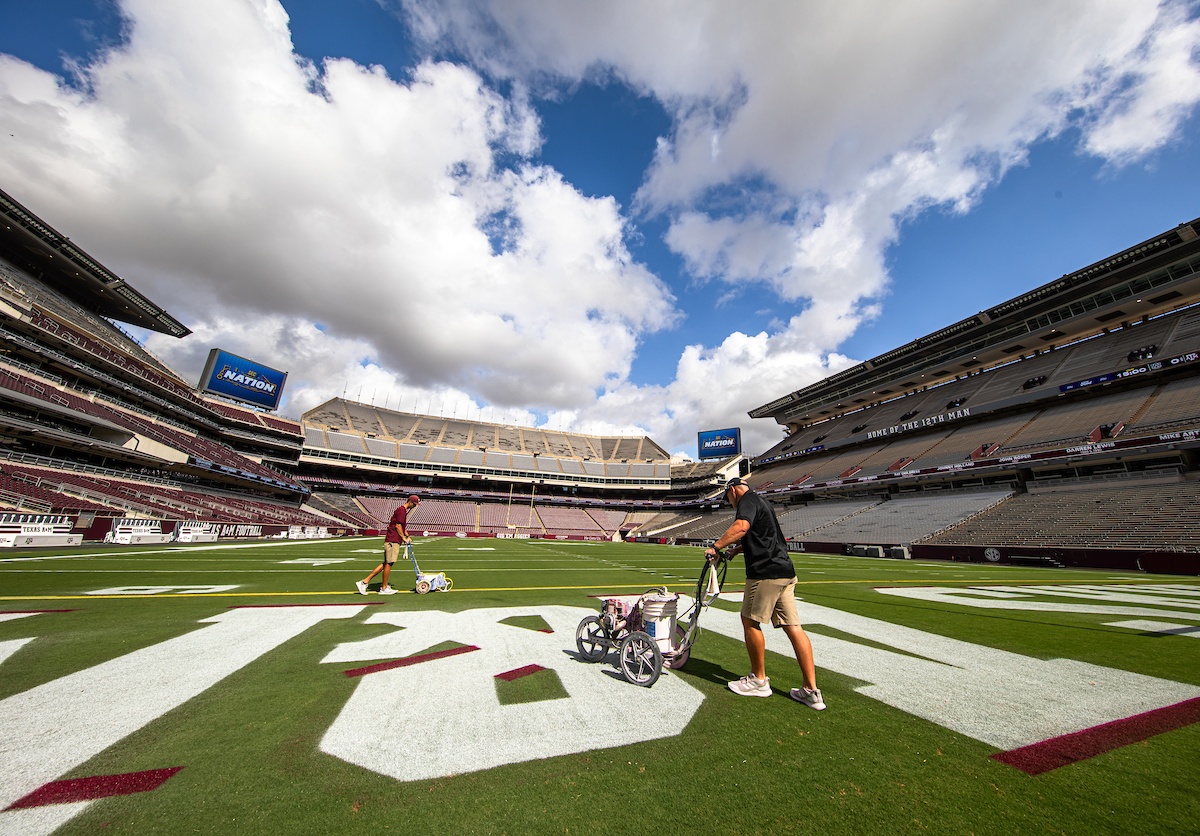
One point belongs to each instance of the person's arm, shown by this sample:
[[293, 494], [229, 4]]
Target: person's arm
[[732, 535]]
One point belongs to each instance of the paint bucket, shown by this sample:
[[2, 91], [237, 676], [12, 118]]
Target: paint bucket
[[658, 619]]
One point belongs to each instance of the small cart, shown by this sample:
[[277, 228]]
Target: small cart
[[649, 634]]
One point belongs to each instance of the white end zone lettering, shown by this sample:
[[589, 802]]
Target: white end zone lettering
[[1004, 699], [125, 694], [8, 648], [1168, 600], [463, 726]]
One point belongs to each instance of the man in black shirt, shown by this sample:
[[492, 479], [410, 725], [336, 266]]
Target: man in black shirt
[[770, 593]]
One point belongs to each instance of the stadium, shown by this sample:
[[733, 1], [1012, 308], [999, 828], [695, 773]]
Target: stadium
[[996, 438], [1037, 455]]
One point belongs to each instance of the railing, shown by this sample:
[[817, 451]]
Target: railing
[[20, 501]]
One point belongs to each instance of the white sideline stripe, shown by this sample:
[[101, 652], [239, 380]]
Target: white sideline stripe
[[1162, 627], [175, 550]]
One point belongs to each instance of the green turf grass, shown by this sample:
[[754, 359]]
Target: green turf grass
[[249, 744]]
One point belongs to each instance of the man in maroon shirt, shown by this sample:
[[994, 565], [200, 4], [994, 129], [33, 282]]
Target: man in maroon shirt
[[397, 534]]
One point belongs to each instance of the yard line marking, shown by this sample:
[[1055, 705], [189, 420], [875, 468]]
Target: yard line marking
[[1067, 749], [71, 790], [411, 660], [517, 673]]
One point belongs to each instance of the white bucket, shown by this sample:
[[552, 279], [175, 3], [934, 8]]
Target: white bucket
[[658, 619]]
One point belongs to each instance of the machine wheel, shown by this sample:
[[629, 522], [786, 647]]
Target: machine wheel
[[641, 660], [682, 653], [449, 585], [422, 586], [589, 638]]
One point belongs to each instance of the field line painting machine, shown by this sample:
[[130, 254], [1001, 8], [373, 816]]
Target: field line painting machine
[[427, 581], [649, 633]]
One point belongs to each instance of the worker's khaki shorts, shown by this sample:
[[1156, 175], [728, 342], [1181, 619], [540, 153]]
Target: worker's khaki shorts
[[773, 600], [391, 551]]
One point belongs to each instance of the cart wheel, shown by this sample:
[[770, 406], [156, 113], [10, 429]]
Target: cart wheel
[[422, 587], [449, 585], [641, 660], [682, 652], [589, 638]]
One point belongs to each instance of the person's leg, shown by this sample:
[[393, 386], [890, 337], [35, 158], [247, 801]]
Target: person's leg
[[787, 617], [756, 647], [390, 552], [374, 572], [804, 654], [757, 604]]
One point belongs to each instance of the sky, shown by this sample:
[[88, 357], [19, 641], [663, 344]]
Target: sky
[[628, 217]]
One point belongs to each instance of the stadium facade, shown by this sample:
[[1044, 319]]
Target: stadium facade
[[1081, 395]]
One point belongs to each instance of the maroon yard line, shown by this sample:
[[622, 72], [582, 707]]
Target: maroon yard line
[[517, 673], [1069, 748], [97, 786], [30, 612], [411, 660]]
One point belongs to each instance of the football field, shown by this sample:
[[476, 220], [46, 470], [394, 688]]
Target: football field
[[247, 687]]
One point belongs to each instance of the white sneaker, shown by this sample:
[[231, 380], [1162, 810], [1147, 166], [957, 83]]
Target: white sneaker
[[810, 697], [751, 686], [362, 587], [387, 590]]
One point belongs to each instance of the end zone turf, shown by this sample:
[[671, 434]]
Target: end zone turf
[[349, 713]]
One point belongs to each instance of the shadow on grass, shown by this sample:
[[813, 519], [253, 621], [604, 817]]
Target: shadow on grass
[[707, 671]]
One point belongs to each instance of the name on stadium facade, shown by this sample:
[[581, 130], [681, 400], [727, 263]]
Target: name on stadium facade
[[921, 423]]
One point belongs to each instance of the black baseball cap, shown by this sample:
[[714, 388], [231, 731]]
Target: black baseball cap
[[733, 483]]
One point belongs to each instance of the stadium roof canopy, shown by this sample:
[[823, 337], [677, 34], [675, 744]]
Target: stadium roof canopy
[[1153, 277], [33, 244]]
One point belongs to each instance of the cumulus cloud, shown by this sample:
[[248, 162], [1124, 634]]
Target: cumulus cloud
[[234, 182], [1163, 79], [803, 132], [402, 236]]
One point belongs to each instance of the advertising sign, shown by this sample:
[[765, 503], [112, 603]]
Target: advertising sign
[[243, 380], [719, 444]]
